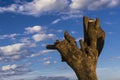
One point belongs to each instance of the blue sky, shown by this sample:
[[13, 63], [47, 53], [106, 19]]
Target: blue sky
[[26, 26]]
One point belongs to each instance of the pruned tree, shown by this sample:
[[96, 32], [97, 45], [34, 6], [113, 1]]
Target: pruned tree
[[83, 61]]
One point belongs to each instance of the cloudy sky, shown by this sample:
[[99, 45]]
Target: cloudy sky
[[26, 26]]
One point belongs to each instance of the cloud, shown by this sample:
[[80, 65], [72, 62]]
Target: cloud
[[46, 51], [115, 58], [15, 52], [16, 57], [79, 4], [114, 3], [28, 42], [47, 62], [93, 4], [108, 71], [40, 7], [55, 62], [108, 23], [33, 29], [39, 34], [51, 78], [13, 70], [47, 58], [59, 30], [73, 32], [11, 36], [11, 49], [36, 7], [110, 33], [41, 37], [71, 15], [41, 52], [56, 21], [25, 45], [8, 67]]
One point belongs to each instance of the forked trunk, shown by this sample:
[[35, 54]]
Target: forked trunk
[[83, 61]]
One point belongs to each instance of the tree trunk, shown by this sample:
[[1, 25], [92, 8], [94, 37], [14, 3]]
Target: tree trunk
[[83, 61]]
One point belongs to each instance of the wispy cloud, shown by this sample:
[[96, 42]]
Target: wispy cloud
[[13, 70], [46, 51], [67, 17], [56, 21], [72, 16], [115, 58], [22, 47], [7, 36], [47, 62], [110, 33], [41, 52], [51, 78], [59, 30], [36, 7], [93, 4], [108, 23], [40, 7]]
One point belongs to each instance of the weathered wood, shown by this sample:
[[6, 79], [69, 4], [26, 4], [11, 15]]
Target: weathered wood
[[83, 61]]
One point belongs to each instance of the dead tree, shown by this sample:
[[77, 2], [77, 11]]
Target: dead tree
[[83, 61]]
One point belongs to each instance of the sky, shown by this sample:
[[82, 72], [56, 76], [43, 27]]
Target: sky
[[27, 26]]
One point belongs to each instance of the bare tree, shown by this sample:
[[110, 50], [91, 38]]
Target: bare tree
[[83, 61]]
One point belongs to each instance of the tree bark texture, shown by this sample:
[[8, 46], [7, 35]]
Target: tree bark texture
[[82, 60]]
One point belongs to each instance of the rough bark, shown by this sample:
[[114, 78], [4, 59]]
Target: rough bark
[[83, 61]]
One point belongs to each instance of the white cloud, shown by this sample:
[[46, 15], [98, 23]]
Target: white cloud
[[42, 37], [39, 7], [12, 36], [25, 40], [108, 23], [35, 54], [39, 36], [79, 4], [28, 42], [11, 8], [71, 16], [108, 71], [60, 30], [47, 62], [93, 4], [41, 52], [16, 57], [73, 32], [46, 51], [11, 49], [46, 58], [114, 3], [33, 29], [36, 7], [110, 33], [56, 21], [115, 58], [55, 62], [68, 16], [9, 67]]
